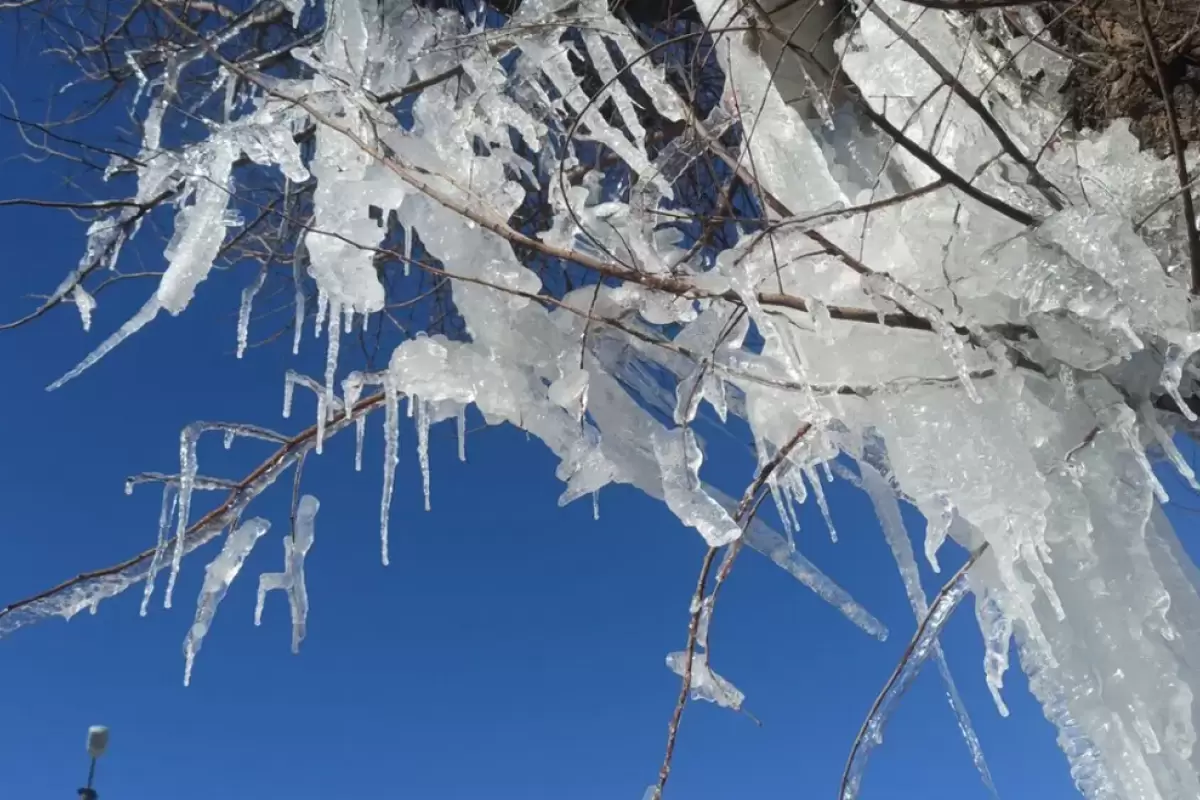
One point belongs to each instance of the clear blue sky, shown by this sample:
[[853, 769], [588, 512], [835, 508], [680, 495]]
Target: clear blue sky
[[512, 650]]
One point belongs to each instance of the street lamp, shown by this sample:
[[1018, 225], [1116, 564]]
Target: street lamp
[[97, 743]]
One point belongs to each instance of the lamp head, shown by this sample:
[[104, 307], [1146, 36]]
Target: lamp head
[[97, 740]]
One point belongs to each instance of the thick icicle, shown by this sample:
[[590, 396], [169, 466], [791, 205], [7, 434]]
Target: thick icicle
[[422, 422], [187, 482], [291, 580], [217, 577], [391, 456]]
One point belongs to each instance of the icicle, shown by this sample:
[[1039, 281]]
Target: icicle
[[952, 343], [331, 357], [229, 434], [217, 577], [781, 507], [169, 499], [822, 504], [997, 630], [135, 323], [887, 509], [408, 237], [391, 447], [462, 433], [351, 391], [1172, 373], [187, 482], [289, 389], [1150, 417], [322, 310], [243, 327], [348, 322], [299, 303], [1124, 424], [688, 395], [423, 443], [291, 580], [85, 303], [596, 505], [921, 648], [679, 458], [936, 529]]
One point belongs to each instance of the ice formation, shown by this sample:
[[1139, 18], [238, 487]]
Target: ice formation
[[218, 575], [291, 580], [1000, 350]]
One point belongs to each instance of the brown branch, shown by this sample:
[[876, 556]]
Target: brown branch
[[300, 442], [744, 514]]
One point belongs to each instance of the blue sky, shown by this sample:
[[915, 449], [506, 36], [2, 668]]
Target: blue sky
[[512, 650]]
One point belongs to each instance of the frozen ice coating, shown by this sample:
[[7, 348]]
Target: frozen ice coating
[[1008, 368], [706, 684], [218, 575], [86, 305]]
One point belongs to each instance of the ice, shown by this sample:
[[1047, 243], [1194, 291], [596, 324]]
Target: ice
[[289, 391], [188, 467], [85, 303], [422, 422], [291, 580], [461, 426], [822, 503], [217, 577], [134, 324], [170, 498], [679, 458], [248, 295], [352, 388], [1167, 443], [298, 304], [923, 645], [331, 358], [890, 519], [1013, 351], [706, 684], [391, 456]]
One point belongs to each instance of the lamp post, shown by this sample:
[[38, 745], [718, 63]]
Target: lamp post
[[97, 743]]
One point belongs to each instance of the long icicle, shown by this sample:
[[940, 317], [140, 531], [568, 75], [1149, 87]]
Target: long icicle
[[919, 649]]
